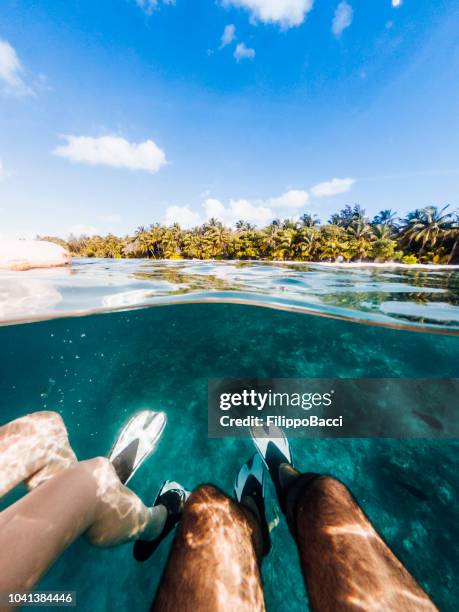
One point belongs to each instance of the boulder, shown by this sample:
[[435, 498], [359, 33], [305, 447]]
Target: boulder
[[27, 254]]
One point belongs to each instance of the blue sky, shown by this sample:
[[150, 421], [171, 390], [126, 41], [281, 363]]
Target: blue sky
[[119, 113]]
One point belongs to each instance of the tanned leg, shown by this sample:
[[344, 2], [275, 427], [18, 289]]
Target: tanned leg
[[346, 565], [214, 562]]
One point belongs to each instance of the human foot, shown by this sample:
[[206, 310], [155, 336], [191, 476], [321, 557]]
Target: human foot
[[274, 449], [173, 497]]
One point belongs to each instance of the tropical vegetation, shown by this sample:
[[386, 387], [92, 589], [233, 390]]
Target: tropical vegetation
[[426, 235]]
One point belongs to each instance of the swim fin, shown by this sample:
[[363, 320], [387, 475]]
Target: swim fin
[[173, 496], [274, 449], [249, 490], [136, 442]]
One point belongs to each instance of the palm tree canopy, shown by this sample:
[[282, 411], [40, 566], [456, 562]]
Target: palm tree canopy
[[386, 217], [428, 224], [429, 234]]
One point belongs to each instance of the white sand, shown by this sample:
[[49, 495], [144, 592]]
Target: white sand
[[386, 264], [28, 254]]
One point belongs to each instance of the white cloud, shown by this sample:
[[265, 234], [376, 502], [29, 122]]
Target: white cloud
[[247, 210], [333, 187], [243, 52], [238, 209], [396, 3], [343, 18], [112, 151], [214, 208], [229, 34], [256, 211], [2, 171], [286, 13], [11, 70], [182, 214], [150, 5], [294, 198]]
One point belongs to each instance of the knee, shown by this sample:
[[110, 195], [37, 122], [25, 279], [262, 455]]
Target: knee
[[328, 485], [102, 470], [328, 493], [208, 503], [49, 416], [101, 465], [206, 493], [47, 420], [210, 515], [45, 424]]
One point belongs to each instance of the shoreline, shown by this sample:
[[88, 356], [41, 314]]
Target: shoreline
[[328, 264], [374, 264]]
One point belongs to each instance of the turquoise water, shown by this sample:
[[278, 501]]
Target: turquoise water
[[98, 369]]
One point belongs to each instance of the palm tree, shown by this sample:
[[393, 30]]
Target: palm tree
[[246, 245], [270, 237], [289, 224], [219, 238], [348, 215], [308, 220], [361, 235], [284, 248], [455, 235], [244, 225], [153, 241], [359, 230], [386, 217], [382, 231], [431, 233], [213, 222], [333, 249], [305, 242], [428, 226]]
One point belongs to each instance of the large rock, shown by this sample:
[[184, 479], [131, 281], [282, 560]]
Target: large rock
[[27, 254]]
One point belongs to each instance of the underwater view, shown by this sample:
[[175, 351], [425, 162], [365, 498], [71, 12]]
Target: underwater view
[[121, 354]]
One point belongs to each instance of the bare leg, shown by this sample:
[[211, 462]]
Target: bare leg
[[346, 564], [214, 562], [84, 498], [33, 449]]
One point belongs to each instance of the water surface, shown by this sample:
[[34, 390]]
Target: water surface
[[388, 296]]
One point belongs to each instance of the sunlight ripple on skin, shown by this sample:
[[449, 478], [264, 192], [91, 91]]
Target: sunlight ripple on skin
[[226, 534], [357, 530], [35, 444], [38, 444], [359, 568], [123, 506], [386, 594]]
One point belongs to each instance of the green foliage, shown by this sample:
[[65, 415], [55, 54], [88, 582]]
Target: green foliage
[[426, 235], [383, 249], [409, 259]]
